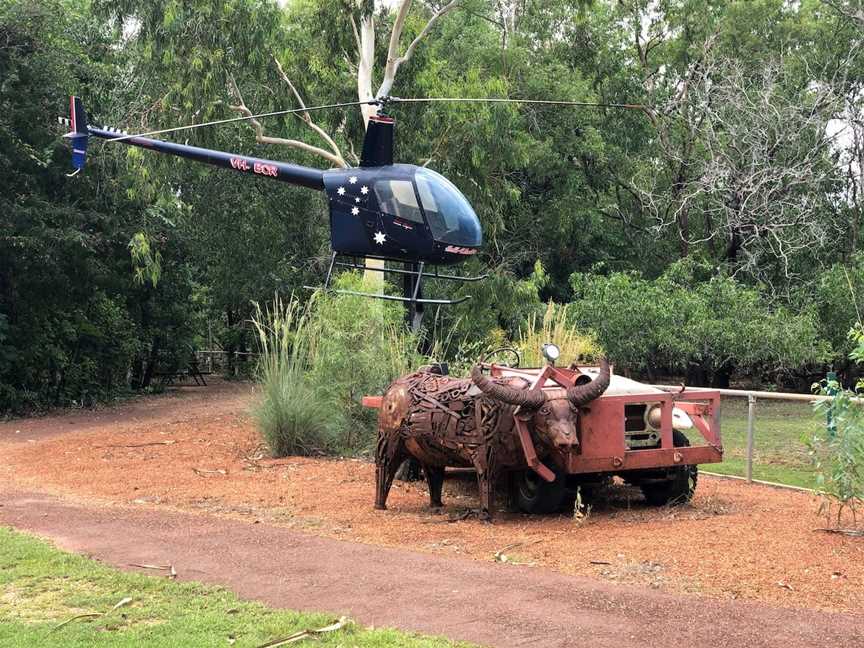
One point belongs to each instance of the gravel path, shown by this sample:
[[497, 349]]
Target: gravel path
[[487, 603]]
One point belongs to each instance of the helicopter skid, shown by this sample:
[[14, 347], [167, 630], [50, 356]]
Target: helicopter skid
[[431, 275], [407, 300]]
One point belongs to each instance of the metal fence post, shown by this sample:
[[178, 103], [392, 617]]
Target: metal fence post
[[831, 390], [751, 416]]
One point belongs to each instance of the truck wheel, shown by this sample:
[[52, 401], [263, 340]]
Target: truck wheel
[[533, 494], [680, 486]]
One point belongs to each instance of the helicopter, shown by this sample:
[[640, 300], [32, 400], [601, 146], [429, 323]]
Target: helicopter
[[379, 210]]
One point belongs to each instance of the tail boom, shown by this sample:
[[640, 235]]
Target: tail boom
[[283, 171]]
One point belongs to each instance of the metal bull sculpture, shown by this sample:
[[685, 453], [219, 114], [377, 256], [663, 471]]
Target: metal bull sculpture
[[481, 423]]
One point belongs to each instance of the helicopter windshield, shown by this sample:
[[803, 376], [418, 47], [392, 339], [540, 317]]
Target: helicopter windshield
[[448, 212]]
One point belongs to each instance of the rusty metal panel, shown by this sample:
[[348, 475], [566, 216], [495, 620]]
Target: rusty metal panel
[[602, 427], [642, 459]]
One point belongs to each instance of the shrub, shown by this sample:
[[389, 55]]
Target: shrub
[[318, 362], [361, 346], [837, 452], [706, 328], [837, 449], [293, 417]]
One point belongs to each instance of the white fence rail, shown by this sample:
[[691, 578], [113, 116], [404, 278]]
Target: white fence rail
[[752, 396]]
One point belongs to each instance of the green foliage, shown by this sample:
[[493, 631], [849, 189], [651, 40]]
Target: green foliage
[[683, 323], [361, 346], [147, 262], [293, 417], [838, 294], [554, 326], [606, 194], [318, 362], [75, 328], [837, 451]]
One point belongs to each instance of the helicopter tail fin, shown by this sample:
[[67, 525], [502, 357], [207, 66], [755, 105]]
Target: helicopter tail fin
[[378, 143], [80, 133]]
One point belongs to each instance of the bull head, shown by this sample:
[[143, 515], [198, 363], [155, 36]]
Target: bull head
[[553, 412]]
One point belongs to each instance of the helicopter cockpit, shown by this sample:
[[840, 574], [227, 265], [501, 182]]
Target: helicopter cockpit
[[400, 210]]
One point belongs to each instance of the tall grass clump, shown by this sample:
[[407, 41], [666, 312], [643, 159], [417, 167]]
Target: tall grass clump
[[554, 327], [293, 416]]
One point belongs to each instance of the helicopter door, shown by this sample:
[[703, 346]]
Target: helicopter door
[[400, 217]]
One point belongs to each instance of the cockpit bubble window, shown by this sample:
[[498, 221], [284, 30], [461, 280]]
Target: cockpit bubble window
[[397, 198], [448, 213]]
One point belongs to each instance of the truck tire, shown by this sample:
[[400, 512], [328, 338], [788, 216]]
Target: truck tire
[[680, 486], [533, 494]]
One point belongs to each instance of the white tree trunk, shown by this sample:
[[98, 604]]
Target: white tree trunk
[[365, 62]]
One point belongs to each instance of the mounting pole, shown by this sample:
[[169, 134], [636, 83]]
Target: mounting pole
[[411, 290]]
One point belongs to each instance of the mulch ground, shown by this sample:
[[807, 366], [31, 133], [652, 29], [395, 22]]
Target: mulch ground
[[199, 451]]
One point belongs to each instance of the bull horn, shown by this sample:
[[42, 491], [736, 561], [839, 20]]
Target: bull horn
[[528, 398], [582, 394]]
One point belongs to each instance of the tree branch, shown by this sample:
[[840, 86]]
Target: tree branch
[[265, 139], [307, 118], [394, 60], [365, 60]]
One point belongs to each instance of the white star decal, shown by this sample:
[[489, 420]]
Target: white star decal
[[380, 237], [341, 191], [353, 179], [357, 200], [355, 210], [364, 190]]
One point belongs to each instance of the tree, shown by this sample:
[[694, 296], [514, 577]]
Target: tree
[[74, 326], [766, 174]]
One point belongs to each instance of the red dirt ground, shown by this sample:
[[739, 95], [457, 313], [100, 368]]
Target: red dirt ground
[[199, 451]]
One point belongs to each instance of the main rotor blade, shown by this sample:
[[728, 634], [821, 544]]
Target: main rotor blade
[[275, 113], [546, 102]]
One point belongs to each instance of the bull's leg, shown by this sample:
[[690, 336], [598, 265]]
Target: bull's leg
[[435, 479], [486, 484], [389, 456]]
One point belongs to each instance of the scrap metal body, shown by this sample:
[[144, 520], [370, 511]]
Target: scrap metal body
[[443, 421]]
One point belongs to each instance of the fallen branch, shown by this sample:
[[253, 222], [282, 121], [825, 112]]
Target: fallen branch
[[140, 445], [172, 573], [121, 603], [89, 615], [500, 556], [307, 634], [464, 515], [203, 473], [92, 615], [855, 533]]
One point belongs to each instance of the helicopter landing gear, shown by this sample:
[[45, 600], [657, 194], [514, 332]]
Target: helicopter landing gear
[[411, 288]]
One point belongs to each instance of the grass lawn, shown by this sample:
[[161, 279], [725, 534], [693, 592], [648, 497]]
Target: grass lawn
[[779, 454], [41, 587]]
